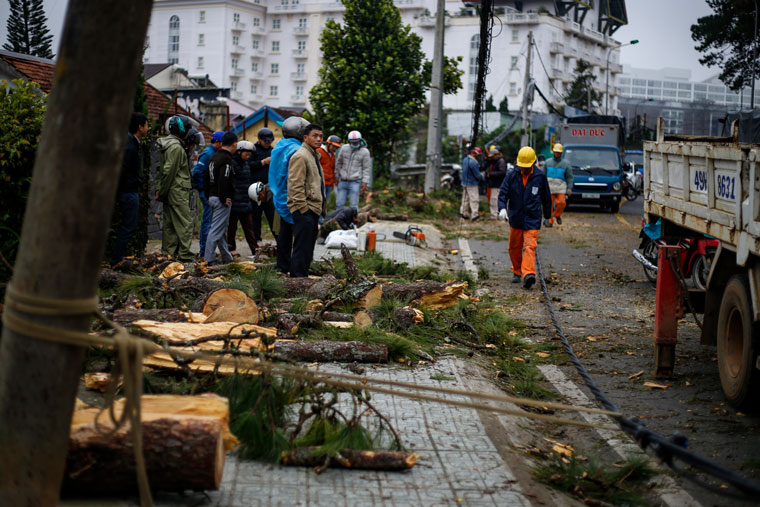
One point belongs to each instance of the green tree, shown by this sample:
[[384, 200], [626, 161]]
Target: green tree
[[504, 105], [371, 77], [27, 29], [490, 106], [452, 75], [725, 39], [22, 108], [582, 94]]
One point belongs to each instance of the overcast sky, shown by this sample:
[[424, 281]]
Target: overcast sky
[[661, 26]]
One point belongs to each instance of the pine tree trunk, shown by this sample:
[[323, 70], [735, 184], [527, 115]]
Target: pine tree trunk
[[349, 458], [63, 240]]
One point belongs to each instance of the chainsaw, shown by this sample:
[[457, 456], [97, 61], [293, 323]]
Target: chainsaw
[[413, 236]]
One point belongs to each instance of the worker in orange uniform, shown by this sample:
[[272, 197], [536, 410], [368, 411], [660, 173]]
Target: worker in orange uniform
[[560, 176], [327, 161], [522, 196]]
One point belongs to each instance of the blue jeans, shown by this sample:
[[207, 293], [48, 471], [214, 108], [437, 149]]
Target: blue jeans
[[129, 202], [350, 188], [205, 221], [328, 191], [217, 233]]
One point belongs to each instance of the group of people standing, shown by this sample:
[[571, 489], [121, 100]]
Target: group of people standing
[[521, 197]]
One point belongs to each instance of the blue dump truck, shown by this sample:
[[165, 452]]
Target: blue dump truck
[[593, 152]]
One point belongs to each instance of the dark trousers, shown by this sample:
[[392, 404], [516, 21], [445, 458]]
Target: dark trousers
[[266, 209], [128, 203], [246, 222], [305, 228], [284, 246]]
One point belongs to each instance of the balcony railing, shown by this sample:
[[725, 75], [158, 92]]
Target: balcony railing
[[237, 49], [300, 30], [298, 76], [258, 29], [299, 53], [556, 47], [238, 71], [288, 8], [258, 53], [238, 26], [298, 99], [257, 75]]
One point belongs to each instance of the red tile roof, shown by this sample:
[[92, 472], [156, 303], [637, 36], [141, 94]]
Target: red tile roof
[[41, 72]]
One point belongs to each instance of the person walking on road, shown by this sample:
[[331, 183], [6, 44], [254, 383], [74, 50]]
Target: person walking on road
[[199, 178], [560, 176], [174, 189], [219, 184], [127, 195], [242, 206], [352, 170], [497, 170], [259, 166], [471, 177], [327, 161], [306, 199], [522, 196], [292, 131]]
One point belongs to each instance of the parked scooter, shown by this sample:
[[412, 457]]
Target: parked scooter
[[695, 257], [452, 179], [633, 182]]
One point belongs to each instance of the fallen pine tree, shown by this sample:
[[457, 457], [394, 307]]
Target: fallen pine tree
[[391, 461]]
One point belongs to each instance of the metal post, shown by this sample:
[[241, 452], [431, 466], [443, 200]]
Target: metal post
[[607, 84], [433, 157], [754, 61], [668, 309], [526, 82]]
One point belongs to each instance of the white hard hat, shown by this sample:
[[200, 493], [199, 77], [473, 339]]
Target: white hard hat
[[245, 146], [354, 135], [254, 190]]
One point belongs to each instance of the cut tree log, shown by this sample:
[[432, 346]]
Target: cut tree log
[[128, 315], [317, 288], [230, 305], [110, 279], [405, 317], [185, 439], [400, 217], [349, 458], [173, 270], [430, 294], [332, 352]]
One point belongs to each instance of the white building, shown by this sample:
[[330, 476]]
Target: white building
[[268, 51]]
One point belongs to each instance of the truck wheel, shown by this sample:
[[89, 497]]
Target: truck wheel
[[615, 207], [737, 344]]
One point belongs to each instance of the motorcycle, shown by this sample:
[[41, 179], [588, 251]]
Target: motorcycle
[[633, 182], [695, 256], [452, 179]]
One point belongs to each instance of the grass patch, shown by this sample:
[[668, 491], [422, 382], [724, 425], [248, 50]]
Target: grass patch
[[622, 484], [373, 263]]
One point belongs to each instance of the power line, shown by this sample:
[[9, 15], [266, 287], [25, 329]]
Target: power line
[[545, 71]]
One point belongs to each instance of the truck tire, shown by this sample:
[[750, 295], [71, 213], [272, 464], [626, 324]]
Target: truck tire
[[738, 344]]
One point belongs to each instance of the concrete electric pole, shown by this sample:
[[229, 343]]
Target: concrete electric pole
[[526, 83], [435, 118]]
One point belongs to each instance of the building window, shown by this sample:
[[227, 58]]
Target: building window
[[254, 67], [513, 88], [201, 39], [302, 23], [272, 91], [200, 62], [299, 91], [173, 56], [474, 43], [284, 2], [255, 43], [275, 46], [253, 89], [202, 17], [513, 62], [302, 45], [233, 86], [515, 35], [235, 40], [256, 21], [275, 68], [234, 62], [276, 24], [301, 68], [236, 17]]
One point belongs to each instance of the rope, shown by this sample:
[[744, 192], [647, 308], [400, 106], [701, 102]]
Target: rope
[[666, 449]]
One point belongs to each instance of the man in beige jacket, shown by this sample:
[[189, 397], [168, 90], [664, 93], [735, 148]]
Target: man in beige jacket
[[306, 199]]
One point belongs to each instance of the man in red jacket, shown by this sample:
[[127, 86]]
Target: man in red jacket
[[327, 161]]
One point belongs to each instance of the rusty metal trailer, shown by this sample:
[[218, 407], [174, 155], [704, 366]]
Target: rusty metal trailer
[[710, 186]]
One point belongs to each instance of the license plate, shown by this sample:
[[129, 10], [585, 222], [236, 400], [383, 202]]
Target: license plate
[[591, 196]]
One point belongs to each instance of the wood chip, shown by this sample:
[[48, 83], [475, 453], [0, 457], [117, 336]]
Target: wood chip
[[542, 354], [636, 375], [652, 385]]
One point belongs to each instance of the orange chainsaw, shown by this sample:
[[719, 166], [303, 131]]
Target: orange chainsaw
[[413, 236]]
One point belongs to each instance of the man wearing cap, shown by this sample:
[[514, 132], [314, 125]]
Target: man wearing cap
[[471, 177], [522, 196], [560, 176], [496, 170], [199, 172], [327, 161], [353, 169], [259, 166]]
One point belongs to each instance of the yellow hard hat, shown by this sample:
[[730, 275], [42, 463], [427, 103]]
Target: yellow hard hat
[[557, 148], [526, 157]]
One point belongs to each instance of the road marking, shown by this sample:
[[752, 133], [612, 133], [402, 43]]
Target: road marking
[[466, 253], [670, 493], [620, 217]]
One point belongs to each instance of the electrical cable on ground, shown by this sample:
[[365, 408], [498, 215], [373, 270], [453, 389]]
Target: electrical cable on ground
[[666, 449]]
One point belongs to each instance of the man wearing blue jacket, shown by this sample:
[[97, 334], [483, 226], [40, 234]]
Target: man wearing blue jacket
[[292, 131], [470, 178], [522, 196], [199, 172]]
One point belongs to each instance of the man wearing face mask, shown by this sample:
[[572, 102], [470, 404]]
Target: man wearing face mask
[[352, 170], [522, 197]]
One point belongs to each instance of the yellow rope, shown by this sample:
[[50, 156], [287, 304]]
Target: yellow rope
[[131, 350]]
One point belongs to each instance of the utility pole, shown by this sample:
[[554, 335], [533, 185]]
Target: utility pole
[[59, 254], [754, 61], [526, 83], [435, 118]]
